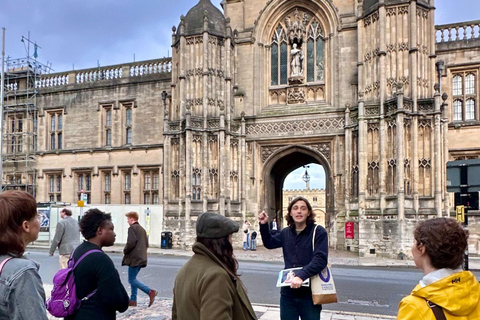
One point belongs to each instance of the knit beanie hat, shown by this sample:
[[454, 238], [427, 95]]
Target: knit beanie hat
[[213, 226]]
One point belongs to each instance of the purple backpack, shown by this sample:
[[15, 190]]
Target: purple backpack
[[64, 301]]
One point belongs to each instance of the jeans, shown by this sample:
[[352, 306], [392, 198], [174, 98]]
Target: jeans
[[246, 244], [292, 308], [135, 284]]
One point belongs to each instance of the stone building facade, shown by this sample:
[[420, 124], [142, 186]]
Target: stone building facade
[[250, 95]]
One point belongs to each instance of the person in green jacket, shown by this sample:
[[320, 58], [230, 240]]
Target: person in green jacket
[[445, 289], [208, 285]]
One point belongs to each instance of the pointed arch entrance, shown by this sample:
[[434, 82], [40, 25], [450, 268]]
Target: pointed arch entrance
[[279, 165]]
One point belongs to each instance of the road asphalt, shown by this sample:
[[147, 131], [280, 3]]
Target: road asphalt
[[161, 309]]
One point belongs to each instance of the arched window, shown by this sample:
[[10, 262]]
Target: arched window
[[279, 57], [470, 84], [470, 109], [457, 85], [457, 110], [315, 53]]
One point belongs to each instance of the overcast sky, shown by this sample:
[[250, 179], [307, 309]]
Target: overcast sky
[[80, 34]]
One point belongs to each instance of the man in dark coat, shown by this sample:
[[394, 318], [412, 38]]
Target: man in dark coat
[[135, 257]]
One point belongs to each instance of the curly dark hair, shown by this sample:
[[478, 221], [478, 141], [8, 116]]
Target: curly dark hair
[[223, 250], [288, 217], [15, 208], [445, 241], [92, 220]]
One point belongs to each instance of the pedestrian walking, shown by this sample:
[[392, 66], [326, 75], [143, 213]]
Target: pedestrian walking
[[67, 237], [22, 296], [296, 242], [135, 257], [208, 285], [246, 235], [97, 271], [438, 249]]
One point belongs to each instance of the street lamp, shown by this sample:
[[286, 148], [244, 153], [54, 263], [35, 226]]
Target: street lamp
[[306, 177]]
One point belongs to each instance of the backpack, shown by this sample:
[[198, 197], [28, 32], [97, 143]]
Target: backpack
[[64, 301]]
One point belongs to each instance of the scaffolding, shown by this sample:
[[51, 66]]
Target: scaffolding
[[20, 121]]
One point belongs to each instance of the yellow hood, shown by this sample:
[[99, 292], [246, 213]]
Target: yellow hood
[[458, 294]]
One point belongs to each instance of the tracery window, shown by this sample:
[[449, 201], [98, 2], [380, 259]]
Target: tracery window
[[315, 53], [297, 50], [464, 96], [279, 57]]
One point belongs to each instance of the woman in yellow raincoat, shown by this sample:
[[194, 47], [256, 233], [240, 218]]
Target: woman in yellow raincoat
[[438, 250]]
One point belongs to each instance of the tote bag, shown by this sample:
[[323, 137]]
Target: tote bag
[[322, 285]]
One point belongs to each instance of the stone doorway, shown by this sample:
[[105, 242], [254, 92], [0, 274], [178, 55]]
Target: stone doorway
[[276, 169]]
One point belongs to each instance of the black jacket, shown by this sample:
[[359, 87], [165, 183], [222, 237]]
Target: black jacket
[[97, 271], [136, 247], [298, 252]]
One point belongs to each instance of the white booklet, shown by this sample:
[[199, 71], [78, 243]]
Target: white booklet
[[286, 276]]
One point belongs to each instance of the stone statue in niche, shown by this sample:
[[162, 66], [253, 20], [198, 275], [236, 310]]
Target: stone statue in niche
[[296, 62]]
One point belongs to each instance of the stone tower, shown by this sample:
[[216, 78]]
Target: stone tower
[[202, 143], [396, 176]]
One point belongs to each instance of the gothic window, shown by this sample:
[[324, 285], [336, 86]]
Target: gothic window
[[108, 127], [127, 186], [234, 161], [464, 96], [315, 53], [279, 57], [56, 130], [424, 157], [55, 186], [84, 184], [355, 167], [107, 186], [128, 120], [35, 130], [150, 186], [196, 183], [175, 171], [372, 154], [15, 128], [391, 157]]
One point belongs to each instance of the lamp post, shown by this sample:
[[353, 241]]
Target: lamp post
[[306, 177]]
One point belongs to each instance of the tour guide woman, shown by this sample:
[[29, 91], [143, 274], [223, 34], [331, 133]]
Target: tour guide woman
[[296, 242], [208, 285], [438, 250]]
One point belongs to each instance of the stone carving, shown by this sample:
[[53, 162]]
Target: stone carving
[[391, 11], [371, 111], [297, 26], [323, 148], [197, 138], [196, 123], [212, 138], [318, 125], [268, 151], [296, 61], [296, 95], [424, 162], [213, 123], [403, 10], [425, 107]]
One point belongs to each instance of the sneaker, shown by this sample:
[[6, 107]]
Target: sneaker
[[152, 294], [132, 303]]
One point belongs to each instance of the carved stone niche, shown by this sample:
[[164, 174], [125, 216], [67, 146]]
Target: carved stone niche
[[296, 95], [295, 80]]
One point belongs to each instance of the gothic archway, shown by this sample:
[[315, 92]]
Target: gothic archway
[[280, 164]]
